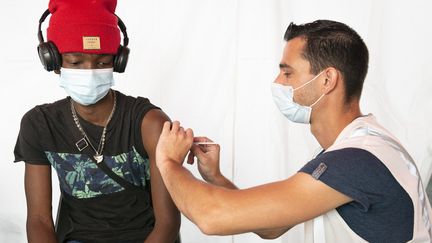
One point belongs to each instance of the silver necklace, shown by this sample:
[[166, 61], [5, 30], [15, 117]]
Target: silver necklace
[[85, 141]]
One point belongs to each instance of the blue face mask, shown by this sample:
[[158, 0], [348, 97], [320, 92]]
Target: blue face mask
[[86, 86], [283, 97]]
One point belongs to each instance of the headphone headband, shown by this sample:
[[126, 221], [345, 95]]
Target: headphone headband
[[41, 20], [122, 27]]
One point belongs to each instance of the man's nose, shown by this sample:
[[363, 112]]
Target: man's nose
[[277, 79]]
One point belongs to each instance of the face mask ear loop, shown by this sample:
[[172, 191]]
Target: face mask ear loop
[[317, 101], [301, 86]]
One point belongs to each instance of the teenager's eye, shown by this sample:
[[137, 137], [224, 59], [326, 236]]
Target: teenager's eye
[[71, 61], [105, 62]]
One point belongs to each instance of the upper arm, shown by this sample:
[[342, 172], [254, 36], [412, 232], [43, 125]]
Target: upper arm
[[37, 182], [271, 206], [165, 210], [151, 127]]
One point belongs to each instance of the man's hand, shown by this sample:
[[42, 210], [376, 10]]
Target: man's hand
[[208, 159], [174, 143]]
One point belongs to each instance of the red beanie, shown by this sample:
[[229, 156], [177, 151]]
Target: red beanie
[[87, 26]]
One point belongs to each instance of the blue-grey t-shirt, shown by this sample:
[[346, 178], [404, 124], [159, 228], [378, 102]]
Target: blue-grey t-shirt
[[381, 210]]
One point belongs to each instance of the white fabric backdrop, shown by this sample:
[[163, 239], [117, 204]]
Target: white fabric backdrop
[[209, 64]]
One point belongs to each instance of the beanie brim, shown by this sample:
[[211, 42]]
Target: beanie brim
[[72, 38]]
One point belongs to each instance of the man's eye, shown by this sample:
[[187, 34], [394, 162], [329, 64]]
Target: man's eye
[[287, 74]]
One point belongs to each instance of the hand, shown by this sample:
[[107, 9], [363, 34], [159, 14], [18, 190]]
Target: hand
[[174, 143], [208, 159]]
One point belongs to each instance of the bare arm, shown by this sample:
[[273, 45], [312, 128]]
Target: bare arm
[[222, 211], [208, 157], [40, 226], [167, 215], [222, 181]]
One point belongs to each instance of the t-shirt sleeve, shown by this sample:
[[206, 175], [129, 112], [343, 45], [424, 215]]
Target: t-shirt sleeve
[[354, 172], [28, 147]]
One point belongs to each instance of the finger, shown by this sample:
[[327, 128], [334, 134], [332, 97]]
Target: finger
[[197, 151], [181, 132], [189, 134], [212, 147], [175, 126], [190, 159], [166, 127], [202, 139]]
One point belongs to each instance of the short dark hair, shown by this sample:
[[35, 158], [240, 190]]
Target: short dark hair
[[333, 44]]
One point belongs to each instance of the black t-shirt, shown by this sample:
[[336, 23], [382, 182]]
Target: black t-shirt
[[98, 208], [381, 210]]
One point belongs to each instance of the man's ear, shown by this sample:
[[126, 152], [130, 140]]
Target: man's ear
[[332, 77]]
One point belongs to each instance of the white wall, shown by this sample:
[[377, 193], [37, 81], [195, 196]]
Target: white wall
[[209, 64]]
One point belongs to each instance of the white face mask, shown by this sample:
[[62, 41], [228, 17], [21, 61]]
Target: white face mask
[[86, 86], [283, 96]]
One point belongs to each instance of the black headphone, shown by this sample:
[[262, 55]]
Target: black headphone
[[51, 58]]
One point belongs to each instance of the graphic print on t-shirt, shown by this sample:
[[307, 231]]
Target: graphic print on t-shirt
[[80, 177]]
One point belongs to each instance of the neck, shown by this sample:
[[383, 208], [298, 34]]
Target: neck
[[98, 113], [328, 124]]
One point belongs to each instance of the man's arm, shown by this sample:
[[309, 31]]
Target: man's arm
[[167, 215], [40, 226], [265, 234], [222, 211], [208, 157]]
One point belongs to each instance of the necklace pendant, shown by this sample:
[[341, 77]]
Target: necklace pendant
[[98, 157], [81, 144]]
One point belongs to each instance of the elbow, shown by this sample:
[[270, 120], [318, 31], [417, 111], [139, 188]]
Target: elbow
[[169, 225], [208, 228], [272, 234], [169, 230], [213, 213], [38, 219], [266, 236], [210, 222]]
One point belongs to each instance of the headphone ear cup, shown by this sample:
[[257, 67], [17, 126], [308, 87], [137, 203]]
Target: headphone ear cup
[[49, 56], [121, 59]]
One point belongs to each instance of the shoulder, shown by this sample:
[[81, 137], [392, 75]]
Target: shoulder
[[356, 173], [149, 113], [152, 114], [134, 101], [154, 120], [346, 159], [137, 107], [349, 164], [151, 128], [44, 112]]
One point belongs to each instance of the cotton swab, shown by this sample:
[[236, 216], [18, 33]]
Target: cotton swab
[[205, 143]]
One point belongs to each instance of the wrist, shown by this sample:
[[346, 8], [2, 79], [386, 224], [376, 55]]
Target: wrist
[[220, 180], [166, 165], [217, 179]]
